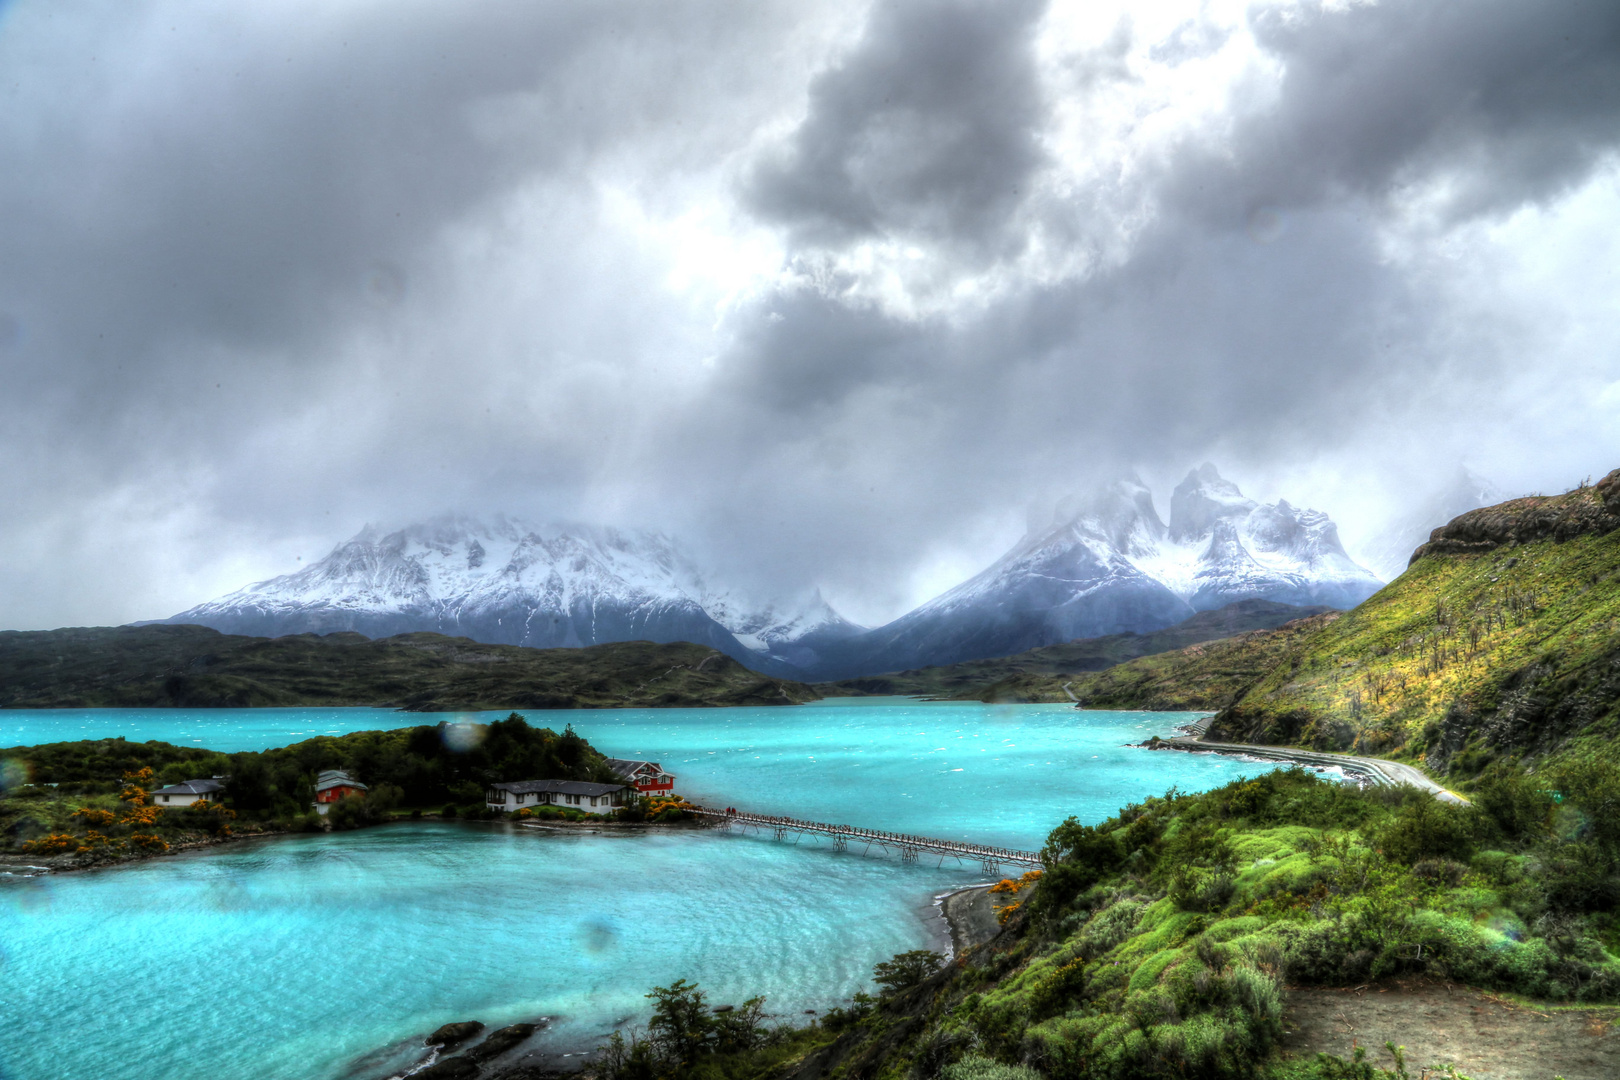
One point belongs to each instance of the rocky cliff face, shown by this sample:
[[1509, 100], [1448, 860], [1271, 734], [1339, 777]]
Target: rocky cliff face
[[1594, 511]]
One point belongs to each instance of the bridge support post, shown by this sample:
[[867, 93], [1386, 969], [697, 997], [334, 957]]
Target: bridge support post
[[779, 832], [908, 854], [840, 844], [991, 866]]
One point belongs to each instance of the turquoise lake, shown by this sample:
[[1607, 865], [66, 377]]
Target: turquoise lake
[[317, 957]]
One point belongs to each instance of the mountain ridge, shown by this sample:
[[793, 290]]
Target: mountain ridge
[[1039, 675], [512, 582], [186, 666], [1108, 564], [1104, 564]]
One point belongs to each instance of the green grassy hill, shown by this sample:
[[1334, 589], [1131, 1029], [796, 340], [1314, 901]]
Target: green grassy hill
[[1501, 639], [1207, 676], [1040, 674], [1164, 942], [195, 667]]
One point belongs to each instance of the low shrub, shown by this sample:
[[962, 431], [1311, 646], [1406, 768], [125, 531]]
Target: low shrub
[[978, 1067]]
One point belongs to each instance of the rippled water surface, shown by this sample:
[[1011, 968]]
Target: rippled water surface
[[303, 957]]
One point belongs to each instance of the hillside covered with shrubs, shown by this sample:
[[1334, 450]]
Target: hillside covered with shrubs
[[1500, 642]]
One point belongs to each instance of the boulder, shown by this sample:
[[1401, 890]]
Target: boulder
[[454, 1068], [450, 1034]]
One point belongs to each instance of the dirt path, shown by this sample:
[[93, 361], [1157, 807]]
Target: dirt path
[[1483, 1037]]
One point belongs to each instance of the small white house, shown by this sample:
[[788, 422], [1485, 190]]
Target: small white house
[[568, 794], [178, 795]]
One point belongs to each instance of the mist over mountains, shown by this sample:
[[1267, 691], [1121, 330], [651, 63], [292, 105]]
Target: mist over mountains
[[1105, 563]]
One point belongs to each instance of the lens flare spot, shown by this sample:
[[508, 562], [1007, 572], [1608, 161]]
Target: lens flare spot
[[597, 937], [1264, 225], [12, 774], [461, 736]]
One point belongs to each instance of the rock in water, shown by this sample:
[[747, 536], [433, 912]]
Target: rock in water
[[456, 1068], [501, 1040], [450, 1034]]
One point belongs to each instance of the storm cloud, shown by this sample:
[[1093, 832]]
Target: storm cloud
[[839, 294]]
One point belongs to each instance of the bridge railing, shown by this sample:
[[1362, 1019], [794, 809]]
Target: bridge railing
[[956, 848]]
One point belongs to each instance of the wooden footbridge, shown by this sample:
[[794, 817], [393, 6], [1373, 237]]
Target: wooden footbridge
[[911, 848]]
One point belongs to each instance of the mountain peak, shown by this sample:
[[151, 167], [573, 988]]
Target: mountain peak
[[1203, 498]]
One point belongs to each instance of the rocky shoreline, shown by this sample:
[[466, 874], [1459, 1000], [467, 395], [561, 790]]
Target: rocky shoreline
[[971, 917]]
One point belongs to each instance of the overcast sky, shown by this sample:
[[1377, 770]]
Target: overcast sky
[[839, 294]]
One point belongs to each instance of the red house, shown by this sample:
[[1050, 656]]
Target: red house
[[334, 784], [647, 777]]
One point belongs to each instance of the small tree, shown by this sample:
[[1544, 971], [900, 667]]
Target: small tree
[[906, 969], [681, 1023], [740, 1028]]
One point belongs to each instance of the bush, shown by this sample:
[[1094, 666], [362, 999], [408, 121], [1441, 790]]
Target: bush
[[1426, 828], [975, 1067], [1075, 858]]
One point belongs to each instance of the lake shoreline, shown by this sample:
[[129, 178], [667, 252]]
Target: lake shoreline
[[73, 863], [969, 918]]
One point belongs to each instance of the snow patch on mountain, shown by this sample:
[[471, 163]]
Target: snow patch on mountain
[[510, 581], [1106, 563], [1222, 546]]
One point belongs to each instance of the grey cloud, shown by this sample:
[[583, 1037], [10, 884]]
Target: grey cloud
[[239, 294], [1508, 100], [928, 130], [281, 180]]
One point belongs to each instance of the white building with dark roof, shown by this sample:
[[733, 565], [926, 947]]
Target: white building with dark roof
[[569, 794], [178, 795]]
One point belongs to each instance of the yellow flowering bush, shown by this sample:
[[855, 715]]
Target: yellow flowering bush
[[141, 815], [54, 844], [93, 816], [135, 787]]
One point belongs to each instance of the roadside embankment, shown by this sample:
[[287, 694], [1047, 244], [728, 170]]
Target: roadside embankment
[[1376, 770]]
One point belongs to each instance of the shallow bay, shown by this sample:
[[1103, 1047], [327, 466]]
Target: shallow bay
[[295, 957]]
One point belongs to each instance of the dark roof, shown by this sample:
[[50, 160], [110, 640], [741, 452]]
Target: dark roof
[[333, 778], [191, 787], [628, 767], [558, 787]]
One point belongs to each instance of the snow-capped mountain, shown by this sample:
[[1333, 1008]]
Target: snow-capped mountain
[[511, 582], [1222, 546], [1104, 564], [1073, 579], [795, 633], [1108, 564]]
